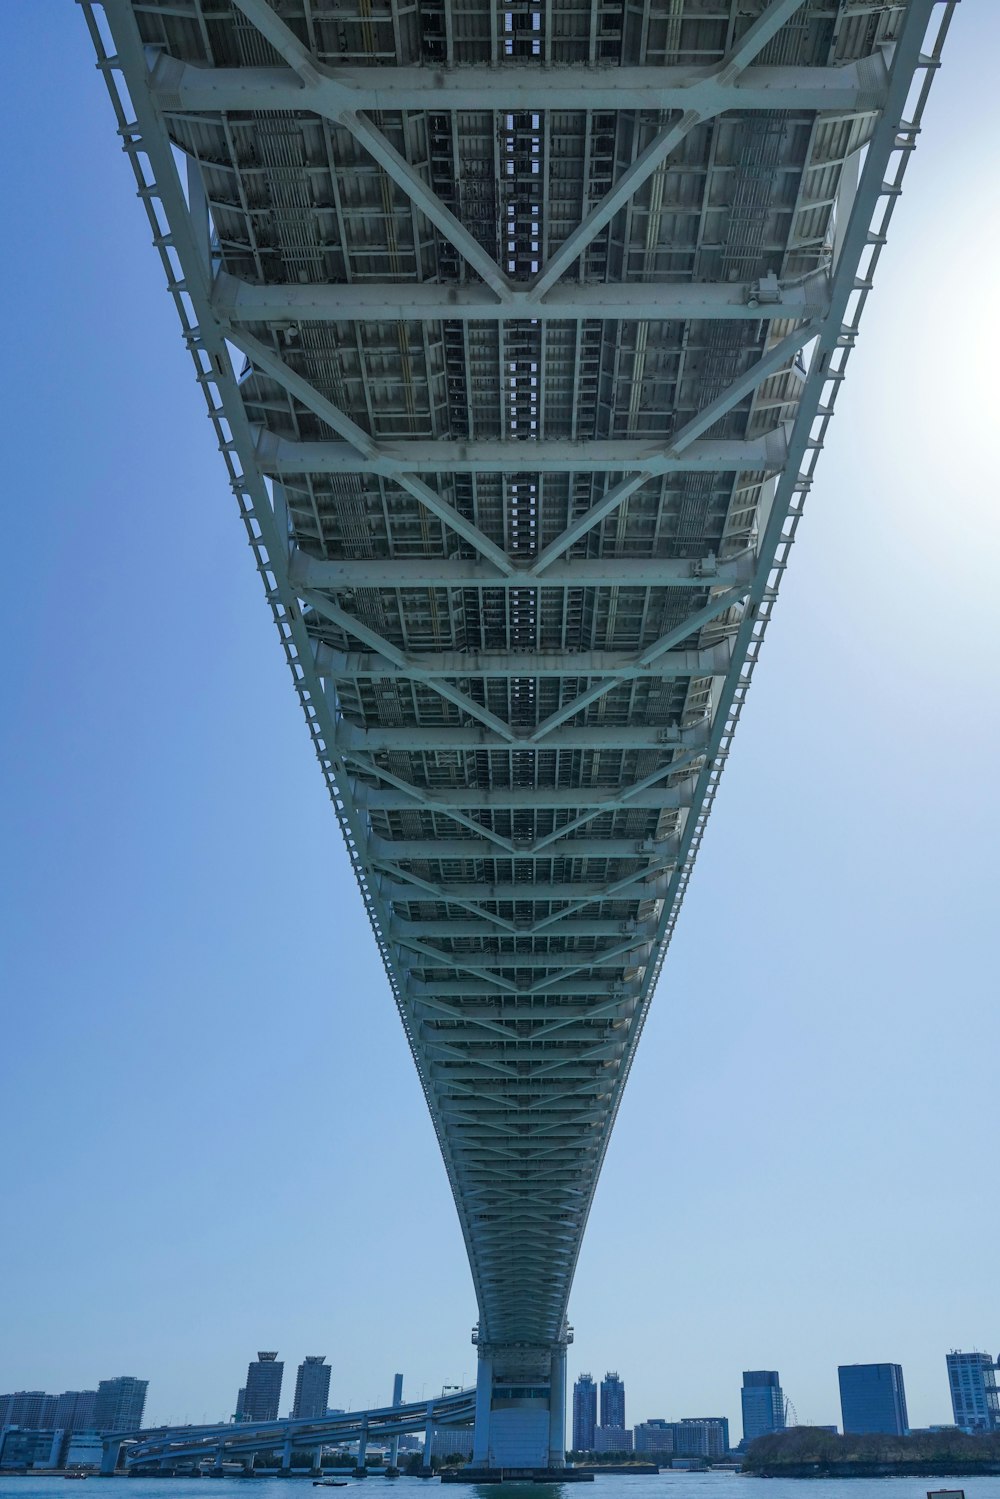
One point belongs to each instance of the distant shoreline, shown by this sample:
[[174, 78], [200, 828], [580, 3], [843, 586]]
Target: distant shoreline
[[877, 1470]]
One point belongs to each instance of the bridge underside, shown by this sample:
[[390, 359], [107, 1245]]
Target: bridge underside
[[521, 327]]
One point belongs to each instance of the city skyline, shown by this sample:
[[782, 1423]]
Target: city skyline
[[160, 953], [862, 1388]]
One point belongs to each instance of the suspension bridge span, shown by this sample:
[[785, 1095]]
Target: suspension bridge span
[[521, 324]]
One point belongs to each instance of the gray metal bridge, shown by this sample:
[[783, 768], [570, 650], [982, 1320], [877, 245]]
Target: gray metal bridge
[[521, 326]]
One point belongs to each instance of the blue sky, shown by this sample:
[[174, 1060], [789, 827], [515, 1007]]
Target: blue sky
[[213, 1139]]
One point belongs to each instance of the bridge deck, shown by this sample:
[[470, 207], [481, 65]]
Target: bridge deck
[[522, 326]]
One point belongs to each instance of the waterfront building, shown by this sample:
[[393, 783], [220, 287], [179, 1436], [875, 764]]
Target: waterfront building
[[612, 1400], [119, 1403], [975, 1399], [701, 1436], [83, 1449], [654, 1436], [612, 1439], [872, 1398], [312, 1387], [584, 1413], [23, 1447], [262, 1392], [763, 1403]]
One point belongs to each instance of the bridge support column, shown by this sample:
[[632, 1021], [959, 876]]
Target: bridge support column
[[109, 1457], [286, 1455], [521, 1408], [557, 1407], [429, 1438], [362, 1449], [397, 1399], [484, 1400]]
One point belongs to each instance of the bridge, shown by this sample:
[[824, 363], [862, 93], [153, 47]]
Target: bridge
[[165, 1447], [521, 326]]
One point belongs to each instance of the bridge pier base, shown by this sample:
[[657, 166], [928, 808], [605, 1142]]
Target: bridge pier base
[[520, 1410]]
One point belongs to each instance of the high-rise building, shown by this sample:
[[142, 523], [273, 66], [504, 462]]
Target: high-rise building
[[975, 1399], [763, 1403], [119, 1403], [75, 1410], [262, 1392], [584, 1413], [872, 1398], [612, 1400], [32, 1409], [312, 1387]]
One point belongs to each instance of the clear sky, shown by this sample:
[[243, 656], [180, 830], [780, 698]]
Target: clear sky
[[211, 1134]]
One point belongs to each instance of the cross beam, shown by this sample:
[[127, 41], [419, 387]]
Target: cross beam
[[446, 798], [846, 89], [416, 739], [393, 301], [353, 665], [312, 573], [435, 849], [282, 455]]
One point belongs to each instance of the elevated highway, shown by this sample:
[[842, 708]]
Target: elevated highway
[[165, 1446], [521, 327]]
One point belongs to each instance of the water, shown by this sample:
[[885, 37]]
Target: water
[[669, 1485]]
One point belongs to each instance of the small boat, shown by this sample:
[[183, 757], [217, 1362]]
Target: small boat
[[330, 1483]]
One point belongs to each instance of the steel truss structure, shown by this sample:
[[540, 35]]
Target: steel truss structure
[[521, 326]]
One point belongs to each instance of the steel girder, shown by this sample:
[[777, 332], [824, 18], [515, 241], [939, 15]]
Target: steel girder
[[509, 552]]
